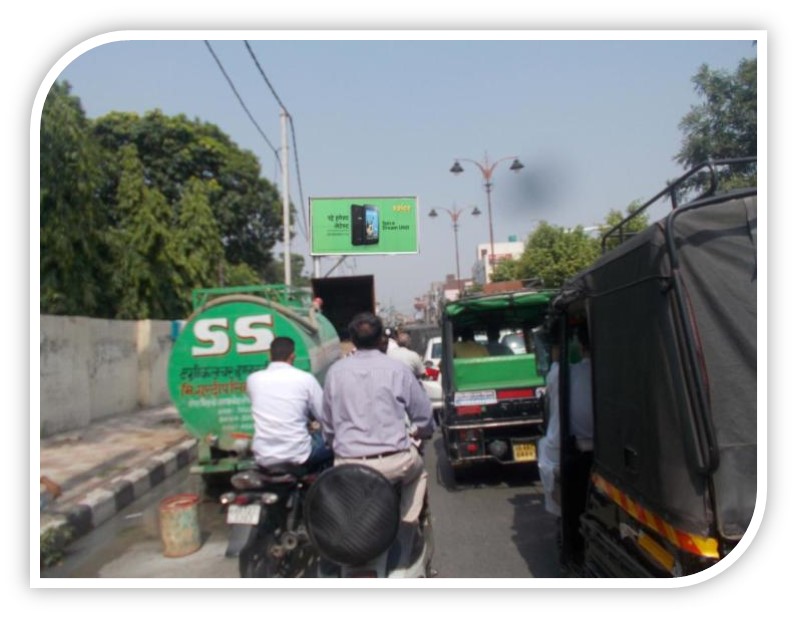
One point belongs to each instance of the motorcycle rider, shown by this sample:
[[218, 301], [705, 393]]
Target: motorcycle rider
[[367, 398], [286, 404]]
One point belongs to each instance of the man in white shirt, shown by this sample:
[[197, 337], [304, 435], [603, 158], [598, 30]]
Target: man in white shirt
[[286, 402], [402, 352]]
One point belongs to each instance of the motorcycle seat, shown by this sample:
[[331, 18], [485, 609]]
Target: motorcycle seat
[[285, 474]]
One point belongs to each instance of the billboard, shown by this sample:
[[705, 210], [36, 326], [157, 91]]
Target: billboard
[[363, 225]]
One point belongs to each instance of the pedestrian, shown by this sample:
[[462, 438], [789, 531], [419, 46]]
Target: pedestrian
[[368, 398], [286, 407]]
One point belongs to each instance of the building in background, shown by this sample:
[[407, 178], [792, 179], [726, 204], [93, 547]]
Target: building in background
[[484, 267]]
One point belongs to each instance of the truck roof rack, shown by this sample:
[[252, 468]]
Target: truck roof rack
[[672, 188]]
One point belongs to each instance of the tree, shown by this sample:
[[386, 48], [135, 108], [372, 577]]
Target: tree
[[631, 227], [554, 254], [724, 124], [144, 274], [71, 221], [298, 278], [195, 246], [505, 270], [173, 150]]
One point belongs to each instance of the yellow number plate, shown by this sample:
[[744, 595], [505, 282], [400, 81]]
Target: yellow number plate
[[524, 451]]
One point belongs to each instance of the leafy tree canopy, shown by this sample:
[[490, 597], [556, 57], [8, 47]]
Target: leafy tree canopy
[[136, 212], [724, 124], [72, 255], [173, 150]]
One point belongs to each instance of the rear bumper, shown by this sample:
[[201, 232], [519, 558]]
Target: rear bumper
[[507, 442]]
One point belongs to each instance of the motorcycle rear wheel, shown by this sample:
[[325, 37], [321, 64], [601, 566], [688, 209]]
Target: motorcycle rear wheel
[[255, 559]]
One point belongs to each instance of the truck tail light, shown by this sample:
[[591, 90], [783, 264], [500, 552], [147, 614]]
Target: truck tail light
[[468, 410]]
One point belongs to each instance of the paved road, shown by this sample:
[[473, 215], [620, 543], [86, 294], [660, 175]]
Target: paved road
[[492, 526]]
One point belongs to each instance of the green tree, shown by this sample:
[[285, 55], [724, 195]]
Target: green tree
[[554, 254], [195, 247], [173, 150], [629, 229], [505, 270], [144, 272], [723, 125], [72, 250], [298, 278]]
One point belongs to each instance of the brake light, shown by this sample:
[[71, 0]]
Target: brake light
[[468, 410], [472, 448], [241, 499], [432, 373]]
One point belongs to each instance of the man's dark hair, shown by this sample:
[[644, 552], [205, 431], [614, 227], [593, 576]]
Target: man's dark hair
[[282, 348], [365, 331]]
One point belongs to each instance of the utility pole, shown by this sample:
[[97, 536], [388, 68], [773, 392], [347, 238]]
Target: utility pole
[[286, 203]]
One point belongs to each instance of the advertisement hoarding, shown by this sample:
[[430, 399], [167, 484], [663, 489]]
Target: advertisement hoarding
[[363, 225]]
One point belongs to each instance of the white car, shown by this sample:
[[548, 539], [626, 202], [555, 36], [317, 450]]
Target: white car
[[431, 381], [434, 350]]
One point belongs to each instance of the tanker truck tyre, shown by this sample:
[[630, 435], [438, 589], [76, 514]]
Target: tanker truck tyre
[[255, 560]]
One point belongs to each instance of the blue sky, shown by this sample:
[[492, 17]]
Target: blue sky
[[41, 38], [595, 122]]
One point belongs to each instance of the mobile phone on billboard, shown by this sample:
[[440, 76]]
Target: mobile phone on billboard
[[371, 236], [357, 224]]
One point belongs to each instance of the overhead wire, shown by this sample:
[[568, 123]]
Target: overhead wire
[[240, 100], [303, 226]]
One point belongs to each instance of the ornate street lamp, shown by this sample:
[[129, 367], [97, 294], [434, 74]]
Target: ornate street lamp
[[486, 170], [454, 215]]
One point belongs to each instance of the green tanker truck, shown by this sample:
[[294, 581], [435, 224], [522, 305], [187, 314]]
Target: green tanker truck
[[227, 337]]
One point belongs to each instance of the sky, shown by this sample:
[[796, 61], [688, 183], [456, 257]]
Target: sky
[[594, 122], [505, 106]]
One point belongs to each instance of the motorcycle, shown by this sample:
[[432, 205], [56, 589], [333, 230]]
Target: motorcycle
[[338, 522], [352, 518], [267, 531]]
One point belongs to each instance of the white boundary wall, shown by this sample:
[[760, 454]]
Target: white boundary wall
[[93, 369]]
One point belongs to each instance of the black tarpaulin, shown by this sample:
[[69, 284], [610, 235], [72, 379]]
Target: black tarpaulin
[[646, 439]]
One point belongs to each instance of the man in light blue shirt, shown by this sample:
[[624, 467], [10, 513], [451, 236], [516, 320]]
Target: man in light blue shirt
[[368, 400], [286, 401]]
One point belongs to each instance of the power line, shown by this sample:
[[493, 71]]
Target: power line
[[299, 178], [293, 137], [240, 100]]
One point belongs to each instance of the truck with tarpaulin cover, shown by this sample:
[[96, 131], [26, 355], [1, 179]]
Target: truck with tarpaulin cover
[[669, 487], [226, 338], [493, 404]]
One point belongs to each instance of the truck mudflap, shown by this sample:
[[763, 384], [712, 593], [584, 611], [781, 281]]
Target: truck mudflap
[[605, 556]]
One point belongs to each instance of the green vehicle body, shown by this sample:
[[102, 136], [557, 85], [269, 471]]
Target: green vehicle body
[[493, 405], [226, 338]]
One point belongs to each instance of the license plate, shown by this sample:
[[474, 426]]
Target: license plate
[[475, 398], [248, 514], [524, 451]]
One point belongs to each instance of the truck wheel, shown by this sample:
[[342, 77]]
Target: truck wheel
[[459, 473]]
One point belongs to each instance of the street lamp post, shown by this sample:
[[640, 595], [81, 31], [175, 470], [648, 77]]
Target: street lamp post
[[454, 215], [487, 169]]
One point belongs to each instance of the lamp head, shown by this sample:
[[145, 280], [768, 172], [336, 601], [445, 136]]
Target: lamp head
[[456, 168], [516, 165]]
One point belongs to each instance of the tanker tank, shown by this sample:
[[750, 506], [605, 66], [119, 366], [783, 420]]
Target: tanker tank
[[227, 337]]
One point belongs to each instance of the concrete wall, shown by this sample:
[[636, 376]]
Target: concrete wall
[[92, 369]]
